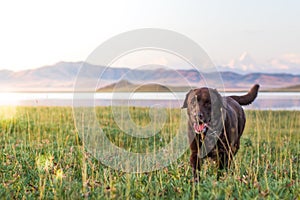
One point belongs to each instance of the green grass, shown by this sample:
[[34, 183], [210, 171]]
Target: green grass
[[42, 157]]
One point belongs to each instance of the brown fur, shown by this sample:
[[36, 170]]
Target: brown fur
[[223, 116]]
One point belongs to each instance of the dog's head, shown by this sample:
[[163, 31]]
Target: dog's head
[[204, 109]]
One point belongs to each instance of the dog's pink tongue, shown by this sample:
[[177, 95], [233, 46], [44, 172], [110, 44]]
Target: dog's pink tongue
[[199, 127]]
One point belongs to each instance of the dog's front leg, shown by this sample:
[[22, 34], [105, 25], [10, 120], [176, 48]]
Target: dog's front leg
[[195, 164], [195, 161]]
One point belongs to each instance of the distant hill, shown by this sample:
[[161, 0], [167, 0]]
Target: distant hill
[[125, 86], [63, 75], [294, 88]]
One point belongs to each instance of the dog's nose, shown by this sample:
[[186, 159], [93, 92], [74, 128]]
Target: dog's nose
[[200, 116]]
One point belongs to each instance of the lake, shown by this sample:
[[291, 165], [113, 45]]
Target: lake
[[265, 100]]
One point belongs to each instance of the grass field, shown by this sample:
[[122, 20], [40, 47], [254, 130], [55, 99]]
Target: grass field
[[42, 157]]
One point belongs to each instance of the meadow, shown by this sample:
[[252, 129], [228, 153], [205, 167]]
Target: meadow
[[43, 157]]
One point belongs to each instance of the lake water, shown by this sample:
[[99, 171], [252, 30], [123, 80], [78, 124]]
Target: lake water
[[265, 100]]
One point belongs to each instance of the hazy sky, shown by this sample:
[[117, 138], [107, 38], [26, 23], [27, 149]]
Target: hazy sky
[[37, 33]]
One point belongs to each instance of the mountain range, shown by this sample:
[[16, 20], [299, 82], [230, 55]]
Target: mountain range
[[62, 76]]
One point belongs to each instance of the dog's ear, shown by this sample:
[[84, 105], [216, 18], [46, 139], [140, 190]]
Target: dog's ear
[[185, 103], [216, 98]]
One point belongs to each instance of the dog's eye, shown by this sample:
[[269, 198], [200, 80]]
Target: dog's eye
[[207, 104]]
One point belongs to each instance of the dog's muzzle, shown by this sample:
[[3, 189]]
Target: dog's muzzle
[[200, 128]]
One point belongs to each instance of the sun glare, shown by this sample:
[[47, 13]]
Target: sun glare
[[7, 112], [8, 104]]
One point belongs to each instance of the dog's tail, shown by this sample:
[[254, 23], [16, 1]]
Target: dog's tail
[[247, 98]]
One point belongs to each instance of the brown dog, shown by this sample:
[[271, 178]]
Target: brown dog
[[215, 125]]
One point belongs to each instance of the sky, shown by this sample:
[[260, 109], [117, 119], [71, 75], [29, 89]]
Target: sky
[[241, 35]]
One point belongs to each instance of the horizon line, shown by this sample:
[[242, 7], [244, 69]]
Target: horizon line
[[237, 71]]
